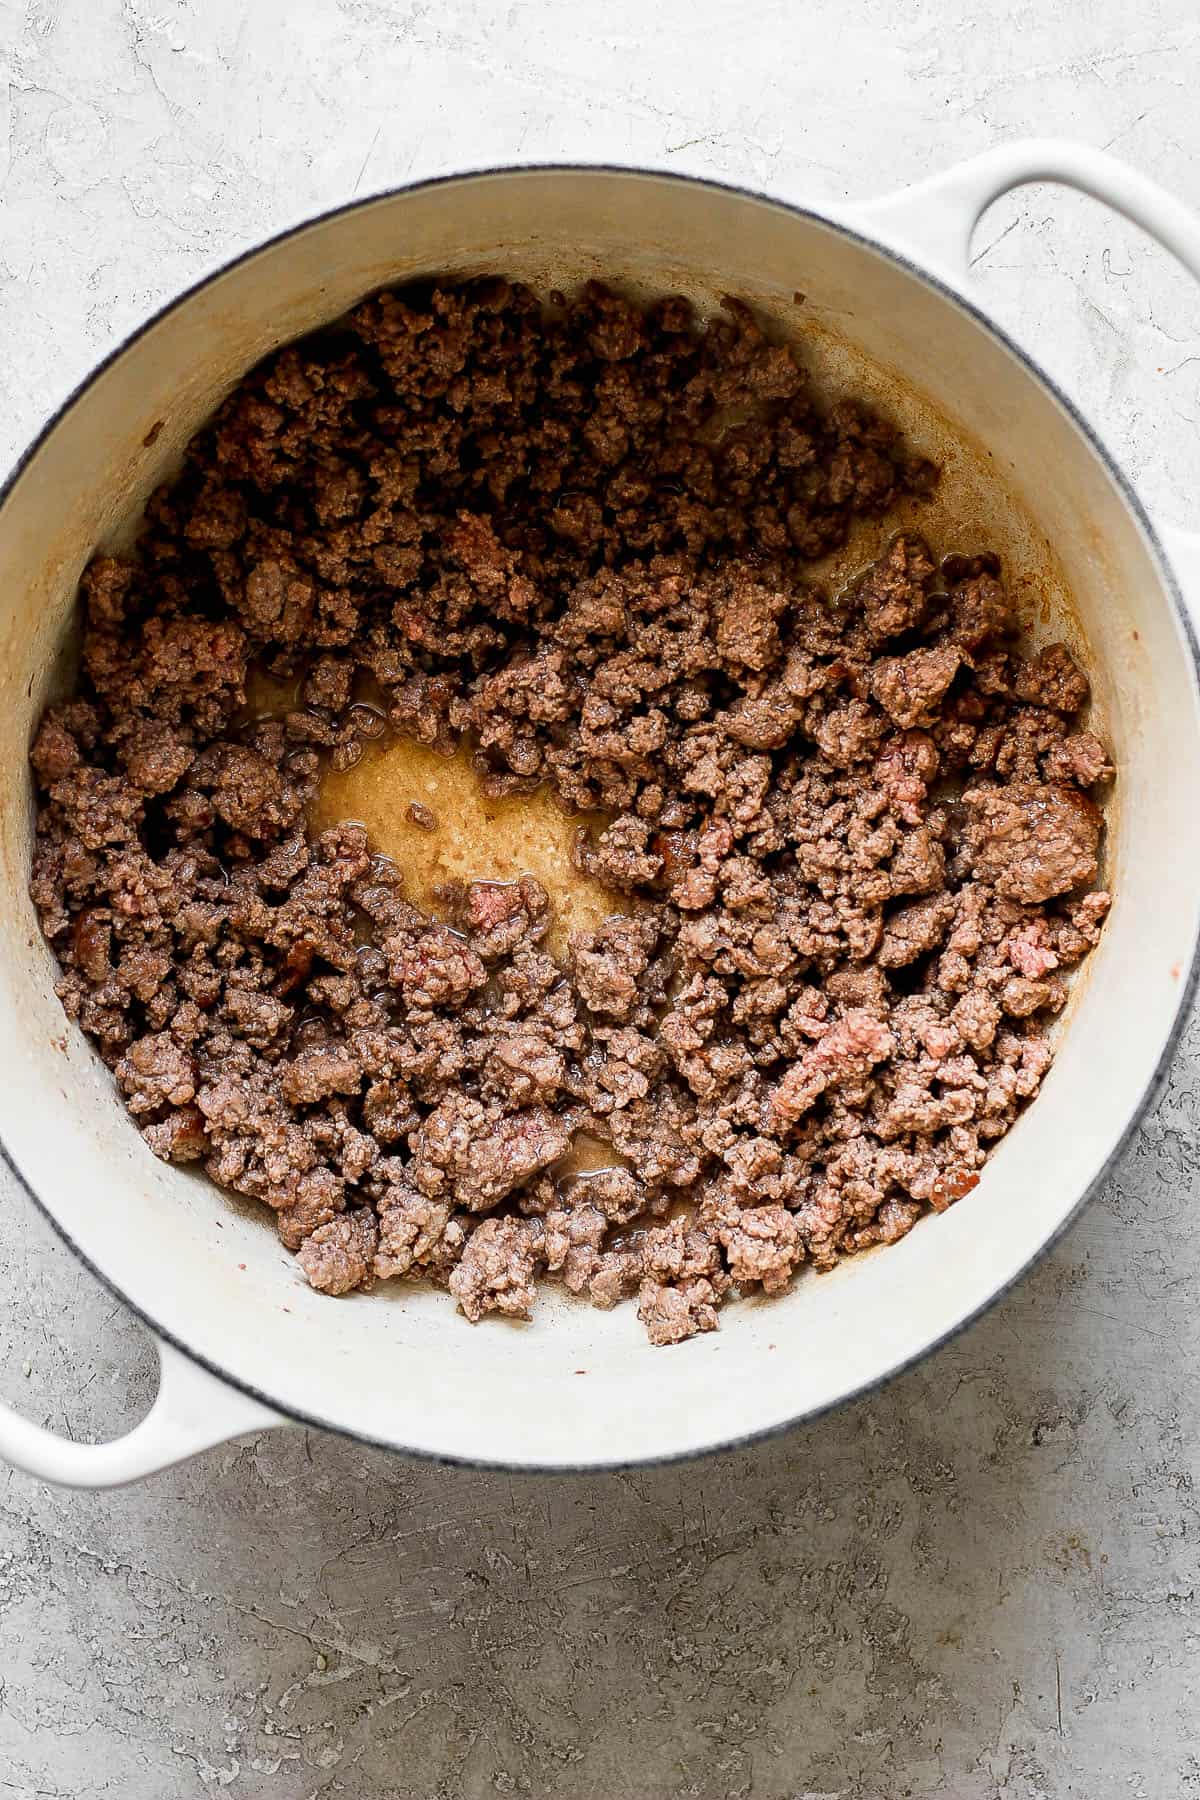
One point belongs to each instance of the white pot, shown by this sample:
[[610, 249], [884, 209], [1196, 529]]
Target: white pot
[[245, 1343]]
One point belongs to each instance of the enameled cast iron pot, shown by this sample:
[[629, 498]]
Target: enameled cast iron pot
[[884, 309]]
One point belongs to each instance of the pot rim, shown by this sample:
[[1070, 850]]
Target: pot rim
[[854, 230]]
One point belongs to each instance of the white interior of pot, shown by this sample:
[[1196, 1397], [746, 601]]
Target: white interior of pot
[[577, 1385]]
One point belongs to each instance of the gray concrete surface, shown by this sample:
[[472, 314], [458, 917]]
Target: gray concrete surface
[[980, 1582]]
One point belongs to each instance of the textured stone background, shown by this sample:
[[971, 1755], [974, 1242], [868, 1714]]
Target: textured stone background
[[979, 1583]]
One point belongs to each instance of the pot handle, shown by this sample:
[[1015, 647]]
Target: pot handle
[[936, 217], [192, 1411]]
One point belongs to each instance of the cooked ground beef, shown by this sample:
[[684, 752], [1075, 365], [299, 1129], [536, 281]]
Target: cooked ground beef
[[852, 838]]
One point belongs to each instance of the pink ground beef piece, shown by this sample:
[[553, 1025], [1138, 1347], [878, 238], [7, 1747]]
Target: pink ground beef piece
[[846, 1052], [852, 838]]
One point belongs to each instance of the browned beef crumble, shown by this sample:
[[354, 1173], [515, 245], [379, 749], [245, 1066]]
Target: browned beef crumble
[[857, 832]]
